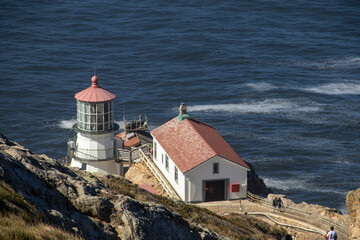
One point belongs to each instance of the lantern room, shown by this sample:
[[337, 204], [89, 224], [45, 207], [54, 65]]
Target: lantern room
[[95, 109]]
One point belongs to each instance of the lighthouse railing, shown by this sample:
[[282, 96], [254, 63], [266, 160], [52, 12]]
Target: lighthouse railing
[[94, 155]]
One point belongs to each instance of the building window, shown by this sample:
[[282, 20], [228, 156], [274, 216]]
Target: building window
[[162, 158], [176, 174], [83, 166], [155, 150], [167, 162], [215, 168]]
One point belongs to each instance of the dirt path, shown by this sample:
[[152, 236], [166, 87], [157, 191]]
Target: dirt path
[[247, 207]]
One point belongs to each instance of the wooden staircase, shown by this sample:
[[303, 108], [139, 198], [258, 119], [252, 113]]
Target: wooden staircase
[[146, 158]]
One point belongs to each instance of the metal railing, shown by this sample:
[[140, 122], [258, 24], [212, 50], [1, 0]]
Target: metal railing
[[158, 175], [83, 154], [314, 218]]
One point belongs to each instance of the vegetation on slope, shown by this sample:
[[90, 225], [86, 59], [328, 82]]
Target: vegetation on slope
[[20, 220], [233, 226]]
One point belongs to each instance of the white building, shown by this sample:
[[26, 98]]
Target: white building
[[95, 147], [198, 163]]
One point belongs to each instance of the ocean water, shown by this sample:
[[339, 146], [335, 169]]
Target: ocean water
[[280, 80]]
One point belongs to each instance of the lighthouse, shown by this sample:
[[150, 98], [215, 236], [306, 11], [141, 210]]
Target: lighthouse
[[94, 144]]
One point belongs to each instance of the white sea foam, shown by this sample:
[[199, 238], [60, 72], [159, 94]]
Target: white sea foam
[[348, 62], [261, 86], [288, 184], [67, 124], [266, 106], [299, 184], [345, 88], [120, 123]]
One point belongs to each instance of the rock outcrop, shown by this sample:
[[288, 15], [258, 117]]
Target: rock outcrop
[[353, 208], [256, 185], [85, 206]]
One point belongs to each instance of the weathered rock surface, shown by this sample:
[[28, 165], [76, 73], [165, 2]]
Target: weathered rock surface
[[353, 208], [86, 207], [256, 185]]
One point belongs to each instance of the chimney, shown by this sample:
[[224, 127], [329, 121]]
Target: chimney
[[183, 115], [182, 109]]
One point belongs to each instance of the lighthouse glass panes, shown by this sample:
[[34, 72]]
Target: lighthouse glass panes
[[95, 116]]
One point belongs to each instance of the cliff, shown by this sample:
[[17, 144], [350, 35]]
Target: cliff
[[353, 208], [104, 206], [256, 184]]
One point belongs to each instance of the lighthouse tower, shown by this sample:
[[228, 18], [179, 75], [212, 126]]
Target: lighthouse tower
[[95, 147]]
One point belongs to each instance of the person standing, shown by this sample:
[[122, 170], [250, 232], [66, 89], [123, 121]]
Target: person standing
[[275, 203], [71, 144], [331, 235], [279, 204]]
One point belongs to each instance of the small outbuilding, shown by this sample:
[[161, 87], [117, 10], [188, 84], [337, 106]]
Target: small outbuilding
[[197, 161]]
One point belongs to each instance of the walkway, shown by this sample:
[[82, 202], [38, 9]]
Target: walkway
[[296, 219]]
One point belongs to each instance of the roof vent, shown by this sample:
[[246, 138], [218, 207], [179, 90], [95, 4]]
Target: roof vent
[[183, 115]]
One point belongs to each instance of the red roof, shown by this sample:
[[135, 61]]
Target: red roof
[[94, 93], [148, 188], [130, 140], [190, 143]]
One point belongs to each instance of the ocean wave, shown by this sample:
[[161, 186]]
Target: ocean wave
[[342, 63], [298, 185], [261, 86], [67, 124], [287, 184], [336, 89], [266, 106]]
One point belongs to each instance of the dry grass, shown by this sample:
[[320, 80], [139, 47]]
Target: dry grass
[[20, 220], [15, 227]]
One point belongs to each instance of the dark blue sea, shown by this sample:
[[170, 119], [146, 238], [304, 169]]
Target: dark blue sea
[[280, 80]]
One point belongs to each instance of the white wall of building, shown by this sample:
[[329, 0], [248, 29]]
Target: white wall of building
[[160, 160], [227, 170], [94, 146], [110, 167], [190, 185]]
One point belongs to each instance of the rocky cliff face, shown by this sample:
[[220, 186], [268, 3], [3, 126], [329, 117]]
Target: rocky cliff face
[[86, 207], [353, 208], [256, 185]]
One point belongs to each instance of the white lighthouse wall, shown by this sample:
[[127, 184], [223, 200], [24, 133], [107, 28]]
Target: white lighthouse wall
[[95, 146], [169, 174], [204, 172], [110, 167]]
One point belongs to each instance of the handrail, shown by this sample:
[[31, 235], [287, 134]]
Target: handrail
[[286, 225], [342, 229], [154, 170], [84, 155]]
